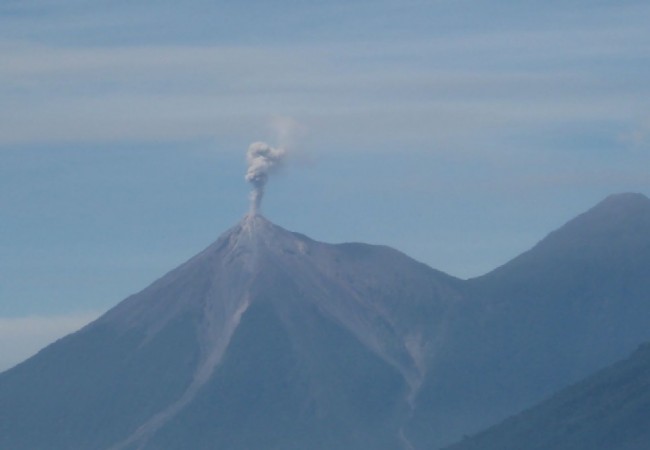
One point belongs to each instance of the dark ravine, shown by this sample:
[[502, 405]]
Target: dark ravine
[[268, 339]]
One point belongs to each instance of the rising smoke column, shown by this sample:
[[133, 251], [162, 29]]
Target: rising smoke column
[[262, 159]]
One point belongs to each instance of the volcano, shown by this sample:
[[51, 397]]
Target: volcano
[[266, 339]]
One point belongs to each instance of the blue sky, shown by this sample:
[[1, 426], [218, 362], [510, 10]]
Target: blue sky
[[460, 132]]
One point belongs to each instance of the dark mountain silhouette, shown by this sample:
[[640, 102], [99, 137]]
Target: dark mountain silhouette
[[270, 340], [608, 410]]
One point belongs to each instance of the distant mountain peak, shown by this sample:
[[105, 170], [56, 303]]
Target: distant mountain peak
[[631, 199], [618, 217], [629, 205]]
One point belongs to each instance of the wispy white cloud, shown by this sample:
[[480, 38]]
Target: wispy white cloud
[[448, 87], [22, 337]]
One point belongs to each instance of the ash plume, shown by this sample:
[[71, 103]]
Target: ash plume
[[262, 159]]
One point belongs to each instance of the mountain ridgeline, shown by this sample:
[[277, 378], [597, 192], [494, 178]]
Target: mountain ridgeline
[[270, 340]]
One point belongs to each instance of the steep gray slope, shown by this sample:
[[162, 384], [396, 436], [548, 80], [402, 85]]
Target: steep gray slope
[[309, 385], [352, 316], [608, 410], [576, 302]]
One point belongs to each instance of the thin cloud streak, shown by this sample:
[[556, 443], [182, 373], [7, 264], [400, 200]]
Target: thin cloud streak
[[86, 94]]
